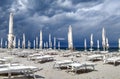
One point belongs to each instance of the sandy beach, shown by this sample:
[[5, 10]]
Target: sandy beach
[[102, 71]]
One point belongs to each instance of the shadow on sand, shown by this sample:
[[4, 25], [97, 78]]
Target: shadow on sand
[[82, 71], [25, 77], [116, 64]]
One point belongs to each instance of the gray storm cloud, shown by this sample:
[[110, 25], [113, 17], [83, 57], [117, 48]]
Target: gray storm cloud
[[85, 16]]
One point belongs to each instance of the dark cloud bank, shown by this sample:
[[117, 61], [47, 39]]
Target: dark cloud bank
[[54, 16]]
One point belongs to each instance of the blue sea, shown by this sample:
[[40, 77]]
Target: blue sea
[[111, 49]]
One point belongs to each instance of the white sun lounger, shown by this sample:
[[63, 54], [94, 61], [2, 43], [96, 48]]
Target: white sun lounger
[[51, 52], [33, 56], [66, 54], [77, 66], [103, 52], [44, 58], [94, 57], [62, 63], [112, 59], [27, 70], [76, 53], [24, 53], [7, 65], [5, 59]]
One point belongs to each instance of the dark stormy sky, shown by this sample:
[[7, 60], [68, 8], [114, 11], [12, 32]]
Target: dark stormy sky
[[54, 16]]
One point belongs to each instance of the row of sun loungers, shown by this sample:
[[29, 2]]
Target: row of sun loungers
[[26, 53], [69, 53], [3, 60], [63, 63], [95, 52], [33, 56], [40, 57], [9, 66], [43, 55], [44, 58], [95, 57], [105, 58]]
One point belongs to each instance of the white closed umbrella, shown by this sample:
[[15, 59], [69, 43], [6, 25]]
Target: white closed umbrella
[[50, 42], [59, 45], [29, 44], [103, 39], [14, 42], [23, 42], [91, 42], [54, 42], [98, 45], [119, 44], [107, 44], [18, 43], [70, 39], [1, 42], [85, 44], [41, 41], [36, 42], [10, 34]]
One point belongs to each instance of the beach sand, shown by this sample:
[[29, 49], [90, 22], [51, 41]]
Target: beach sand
[[102, 71]]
